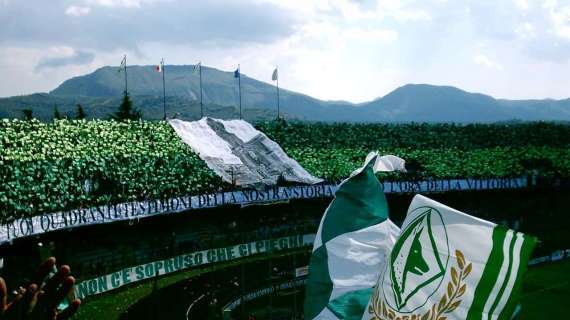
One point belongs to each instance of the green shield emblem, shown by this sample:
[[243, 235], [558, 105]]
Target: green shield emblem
[[418, 261]]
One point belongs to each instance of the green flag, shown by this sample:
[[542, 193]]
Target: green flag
[[351, 245]]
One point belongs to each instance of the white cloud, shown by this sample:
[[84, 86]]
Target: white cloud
[[60, 51], [521, 4], [21, 64], [119, 3], [57, 57], [526, 31], [371, 35], [77, 11], [355, 11], [353, 50], [485, 61], [548, 4], [560, 16]]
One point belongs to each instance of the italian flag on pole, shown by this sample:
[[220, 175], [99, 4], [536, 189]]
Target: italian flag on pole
[[352, 243], [449, 265]]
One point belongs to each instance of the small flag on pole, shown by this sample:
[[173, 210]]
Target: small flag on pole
[[449, 265], [158, 67], [352, 244], [123, 63], [236, 73], [197, 67], [275, 75]]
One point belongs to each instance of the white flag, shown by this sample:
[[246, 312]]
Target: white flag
[[449, 265]]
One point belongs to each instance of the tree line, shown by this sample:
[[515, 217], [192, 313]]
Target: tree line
[[126, 111]]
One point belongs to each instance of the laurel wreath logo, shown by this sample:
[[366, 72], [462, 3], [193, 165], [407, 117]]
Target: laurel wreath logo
[[447, 304]]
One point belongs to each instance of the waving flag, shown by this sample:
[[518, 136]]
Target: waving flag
[[275, 75], [123, 63], [236, 73], [350, 249], [158, 67], [449, 265], [197, 67]]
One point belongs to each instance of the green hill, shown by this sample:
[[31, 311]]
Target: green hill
[[100, 93], [219, 89]]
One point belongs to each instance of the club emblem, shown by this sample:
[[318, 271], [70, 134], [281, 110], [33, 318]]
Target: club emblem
[[418, 264]]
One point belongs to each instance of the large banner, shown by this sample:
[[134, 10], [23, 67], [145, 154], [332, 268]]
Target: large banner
[[149, 270], [240, 154], [136, 210], [25, 227]]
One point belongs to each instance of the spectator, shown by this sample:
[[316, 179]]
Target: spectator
[[41, 298]]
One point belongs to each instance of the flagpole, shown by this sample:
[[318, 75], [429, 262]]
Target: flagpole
[[163, 88], [201, 104], [126, 86], [277, 94], [239, 89]]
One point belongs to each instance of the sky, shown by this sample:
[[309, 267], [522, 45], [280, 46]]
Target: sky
[[353, 50]]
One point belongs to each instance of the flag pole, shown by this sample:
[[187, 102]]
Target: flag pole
[[163, 88], [126, 86], [201, 104], [277, 92], [239, 89]]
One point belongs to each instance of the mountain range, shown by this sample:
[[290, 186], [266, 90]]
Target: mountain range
[[100, 93]]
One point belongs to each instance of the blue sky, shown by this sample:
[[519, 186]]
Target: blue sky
[[331, 49]]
